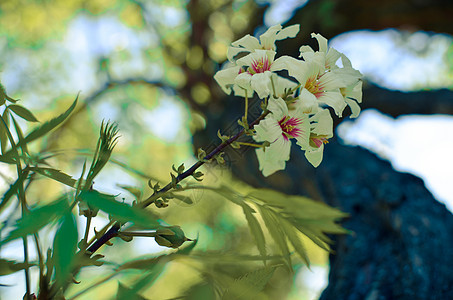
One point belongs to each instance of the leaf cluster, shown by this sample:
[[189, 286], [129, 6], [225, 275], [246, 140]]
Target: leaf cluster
[[286, 218]]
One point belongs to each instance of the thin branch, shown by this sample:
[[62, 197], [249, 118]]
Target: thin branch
[[113, 231]]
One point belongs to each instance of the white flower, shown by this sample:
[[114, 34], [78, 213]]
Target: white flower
[[266, 42], [278, 128], [352, 93], [347, 79], [321, 126], [252, 73], [225, 78], [324, 86], [328, 57]]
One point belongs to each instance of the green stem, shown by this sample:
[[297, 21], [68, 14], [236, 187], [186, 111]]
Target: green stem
[[250, 144], [40, 257], [87, 229], [246, 108], [136, 233], [24, 208], [273, 87], [295, 89]]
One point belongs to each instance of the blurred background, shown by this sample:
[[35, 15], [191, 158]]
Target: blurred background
[[149, 66]]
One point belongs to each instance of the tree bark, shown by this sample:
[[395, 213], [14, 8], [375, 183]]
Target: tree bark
[[400, 246]]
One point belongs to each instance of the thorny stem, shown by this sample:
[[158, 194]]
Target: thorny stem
[[113, 231]]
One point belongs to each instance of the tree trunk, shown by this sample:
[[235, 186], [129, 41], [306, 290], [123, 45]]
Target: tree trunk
[[400, 246]]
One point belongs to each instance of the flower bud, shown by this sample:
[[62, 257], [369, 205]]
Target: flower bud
[[171, 236]]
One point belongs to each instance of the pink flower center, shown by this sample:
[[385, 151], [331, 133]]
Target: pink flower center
[[318, 141], [314, 87], [260, 66], [290, 128]]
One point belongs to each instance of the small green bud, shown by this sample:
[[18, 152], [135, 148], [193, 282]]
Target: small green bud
[[172, 237], [86, 210]]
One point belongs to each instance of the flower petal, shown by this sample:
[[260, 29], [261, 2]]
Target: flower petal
[[268, 167], [268, 38], [315, 156], [278, 150], [257, 55], [322, 123], [278, 108], [243, 80], [355, 108], [241, 92], [296, 68], [335, 100], [332, 57], [267, 130], [261, 84], [247, 43], [307, 102], [225, 78], [348, 75], [288, 32], [303, 137], [331, 81], [322, 41]]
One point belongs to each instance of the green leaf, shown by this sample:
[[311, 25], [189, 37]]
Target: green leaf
[[229, 194], [56, 175], [255, 229], [36, 219], [65, 245], [205, 290], [13, 189], [182, 198], [151, 262], [4, 96], [127, 293], [49, 125], [20, 136], [136, 192], [3, 131], [8, 138], [292, 235], [155, 269], [120, 211], [312, 218], [296, 206], [146, 281], [187, 248], [23, 112], [7, 160], [250, 285], [9, 266], [217, 257], [277, 234]]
